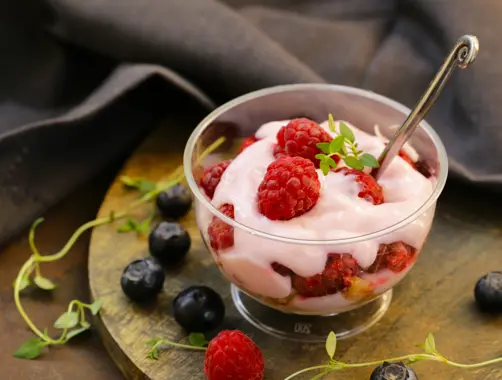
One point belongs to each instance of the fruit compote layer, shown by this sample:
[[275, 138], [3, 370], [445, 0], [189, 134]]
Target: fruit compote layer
[[291, 276]]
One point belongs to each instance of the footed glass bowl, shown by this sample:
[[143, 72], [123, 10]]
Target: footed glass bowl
[[333, 268]]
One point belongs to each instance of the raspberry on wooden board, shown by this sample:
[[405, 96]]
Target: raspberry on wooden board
[[233, 355]]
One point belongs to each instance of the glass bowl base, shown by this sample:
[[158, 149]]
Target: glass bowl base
[[310, 328]]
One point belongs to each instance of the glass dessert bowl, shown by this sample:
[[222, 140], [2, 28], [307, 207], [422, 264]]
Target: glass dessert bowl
[[310, 241]]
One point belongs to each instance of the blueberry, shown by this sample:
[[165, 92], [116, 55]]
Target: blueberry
[[393, 371], [174, 202], [488, 292], [142, 279], [198, 309], [169, 242]]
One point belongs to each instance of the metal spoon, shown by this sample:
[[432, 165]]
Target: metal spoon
[[462, 55]]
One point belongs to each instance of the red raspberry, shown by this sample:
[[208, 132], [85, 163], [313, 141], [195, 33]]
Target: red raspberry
[[336, 276], [279, 152], [299, 139], [395, 256], [290, 188], [212, 176], [247, 142], [221, 234], [233, 355], [370, 190]]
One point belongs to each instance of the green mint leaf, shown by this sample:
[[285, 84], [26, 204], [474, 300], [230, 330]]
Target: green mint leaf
[[75, 332], [324, 146], [96, 306], [331, 123], [320, 156], [67, 320], [143, 185], [44, 283], [144, 226], [336, 144], [324, 166], [344, 151], [85, 324], [24, 283], [128, 181], [331, 162], [146, 186], [30, 349], [154, 354], [331, 345], [353, 163], [369, 161], [430, 345], [197, 340], [153, 342], [346, 132], [129, 225]]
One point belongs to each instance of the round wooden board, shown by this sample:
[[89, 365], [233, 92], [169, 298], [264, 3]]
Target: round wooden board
[[466, 242]]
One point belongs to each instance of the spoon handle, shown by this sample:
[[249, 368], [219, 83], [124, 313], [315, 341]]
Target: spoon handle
[[462, 55]]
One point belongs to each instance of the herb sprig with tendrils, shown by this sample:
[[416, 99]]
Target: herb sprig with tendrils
[[73, 321], [430, 353], [345, 146]]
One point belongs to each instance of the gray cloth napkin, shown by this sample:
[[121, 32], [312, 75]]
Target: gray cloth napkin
[[82, 81]]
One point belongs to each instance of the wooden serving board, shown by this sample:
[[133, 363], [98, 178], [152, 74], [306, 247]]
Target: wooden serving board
[[465, 242]]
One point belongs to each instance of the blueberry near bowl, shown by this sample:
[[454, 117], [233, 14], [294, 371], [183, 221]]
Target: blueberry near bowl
[[142, 279], [292, 216]]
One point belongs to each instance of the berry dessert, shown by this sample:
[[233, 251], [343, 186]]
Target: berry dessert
[[312, 183]]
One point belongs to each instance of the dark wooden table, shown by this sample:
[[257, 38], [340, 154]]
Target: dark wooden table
[[466, 242], [85, 358]]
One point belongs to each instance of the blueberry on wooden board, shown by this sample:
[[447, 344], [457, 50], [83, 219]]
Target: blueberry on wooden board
[[198, 309], [393, 371], [488, 292], [169, 243], [174, 202], [142, 279]]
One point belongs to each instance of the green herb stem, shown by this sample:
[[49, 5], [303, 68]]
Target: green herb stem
[[181, 345], [23, 271], [335, 366], [33, 262]]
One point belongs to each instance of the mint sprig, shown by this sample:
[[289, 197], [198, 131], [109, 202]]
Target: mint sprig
[[345, 146]]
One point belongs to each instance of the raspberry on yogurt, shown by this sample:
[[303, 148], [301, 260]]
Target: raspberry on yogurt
[[299, 139], [289, 189]]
